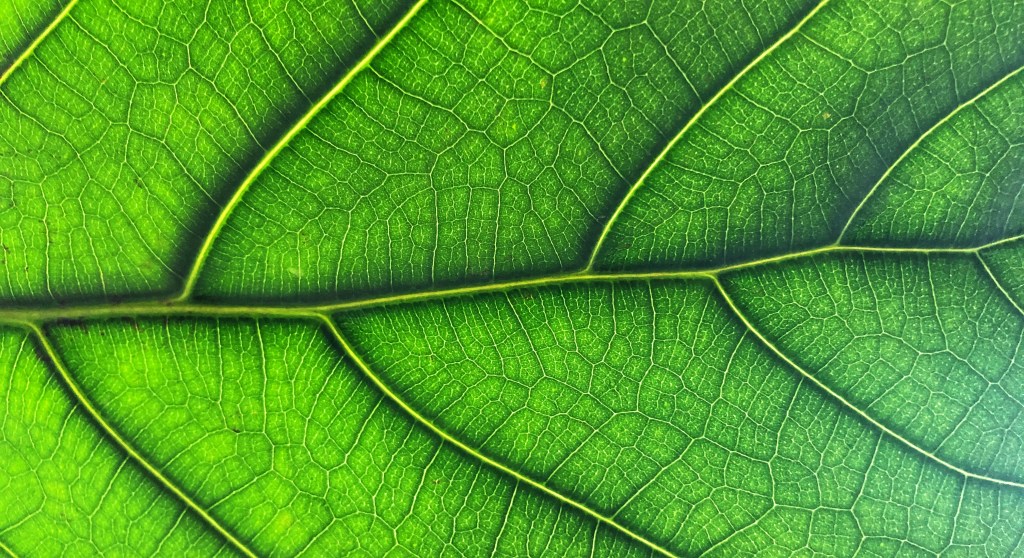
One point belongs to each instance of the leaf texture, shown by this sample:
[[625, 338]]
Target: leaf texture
[[509, 278]]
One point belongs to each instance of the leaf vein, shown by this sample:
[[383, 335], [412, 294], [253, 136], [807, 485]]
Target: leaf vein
[[602, 237], [938, 124], [845, 403], [37, 41], [20, 315], [376, 380], [79, 396], [279, 145]]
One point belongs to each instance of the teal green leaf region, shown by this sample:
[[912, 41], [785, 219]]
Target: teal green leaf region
[[945, 373], [630, 397], [512, 278]]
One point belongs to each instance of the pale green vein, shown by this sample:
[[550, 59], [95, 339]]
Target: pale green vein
[[689, 124], [999, 285], [352, 354], [846, 403], [35, 43], [918, 142], [7, 550], [300, 124], [93, 412], [300, 310]]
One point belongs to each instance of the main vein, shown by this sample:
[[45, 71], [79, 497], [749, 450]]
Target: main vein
[[682, 132], [300, 124], [91, 410], [304, 310]]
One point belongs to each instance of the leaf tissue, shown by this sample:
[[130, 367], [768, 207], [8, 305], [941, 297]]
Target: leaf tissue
[[512, 278]]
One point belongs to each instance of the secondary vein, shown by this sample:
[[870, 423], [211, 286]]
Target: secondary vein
[[846, 403], [300, 124], [91, 410], [386, 390], [35, 43], [689, 124], [910, 148]]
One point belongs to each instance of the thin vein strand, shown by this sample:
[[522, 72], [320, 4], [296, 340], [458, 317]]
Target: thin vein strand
[[689, 124], [79, 395], [386, 390], [999, 285], [300, 124]]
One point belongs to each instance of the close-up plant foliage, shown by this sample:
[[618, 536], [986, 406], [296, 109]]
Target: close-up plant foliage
[[512, 278]]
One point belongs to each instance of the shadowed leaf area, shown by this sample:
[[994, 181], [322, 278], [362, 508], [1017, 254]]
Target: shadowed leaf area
[[512, 278]]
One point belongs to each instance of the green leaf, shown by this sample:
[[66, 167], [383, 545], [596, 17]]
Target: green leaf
[[440, 277]]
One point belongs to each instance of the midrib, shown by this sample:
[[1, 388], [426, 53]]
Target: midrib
[[48, 312], [34, 319]]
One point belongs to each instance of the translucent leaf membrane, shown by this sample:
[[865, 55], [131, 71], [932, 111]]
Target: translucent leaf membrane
[[64, 490], [473, 278], [961, 186], [130, 125], [925, 344], [292, 449], [782, 160], [489, 140], [652, 404], [1004, 263]]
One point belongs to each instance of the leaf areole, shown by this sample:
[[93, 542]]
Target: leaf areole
[[498, 278]]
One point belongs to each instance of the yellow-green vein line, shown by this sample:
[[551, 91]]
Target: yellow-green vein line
[[35, 43], [910, 148], [7, 550], [300, 124], [999, 284], [846, 403], [602, 237], [352, 354], [305, 310], [93, 412]]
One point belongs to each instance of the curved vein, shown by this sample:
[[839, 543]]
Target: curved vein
[[123, 444], [35, 43], [298, 126], [910, 148], [999, 285], [391, 395], [845, 403], [301, 310], [689, 124], [7, 550]]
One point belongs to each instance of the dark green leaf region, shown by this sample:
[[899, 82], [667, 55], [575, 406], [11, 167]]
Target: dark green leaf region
[[472, 278]]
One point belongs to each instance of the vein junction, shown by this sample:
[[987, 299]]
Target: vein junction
[[177, 306]]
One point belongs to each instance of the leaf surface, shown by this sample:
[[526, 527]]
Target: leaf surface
[[482, 278]]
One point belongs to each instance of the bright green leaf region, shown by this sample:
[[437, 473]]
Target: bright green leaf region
[[512, 278]]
